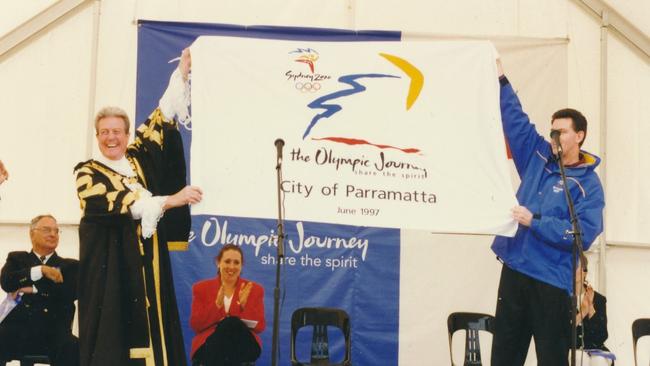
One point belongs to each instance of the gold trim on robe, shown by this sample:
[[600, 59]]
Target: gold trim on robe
[[178, 246]]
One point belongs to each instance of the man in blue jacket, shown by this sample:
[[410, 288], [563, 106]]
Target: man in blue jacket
[[536, 279]]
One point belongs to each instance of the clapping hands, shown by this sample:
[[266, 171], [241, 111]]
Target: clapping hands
[[244, 292], [219, 300]]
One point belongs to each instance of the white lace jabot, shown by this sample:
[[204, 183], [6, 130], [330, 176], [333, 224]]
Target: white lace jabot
[[121, 166]]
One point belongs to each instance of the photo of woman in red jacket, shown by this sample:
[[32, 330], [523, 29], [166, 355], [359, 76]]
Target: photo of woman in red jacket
[[227, 314]]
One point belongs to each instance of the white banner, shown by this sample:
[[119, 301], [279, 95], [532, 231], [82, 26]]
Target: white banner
[[384, 134]]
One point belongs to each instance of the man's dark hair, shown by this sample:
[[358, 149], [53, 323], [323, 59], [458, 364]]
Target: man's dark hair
[[579, 121]]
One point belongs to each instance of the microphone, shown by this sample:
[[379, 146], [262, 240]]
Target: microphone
[[555, 136], [279, 144]]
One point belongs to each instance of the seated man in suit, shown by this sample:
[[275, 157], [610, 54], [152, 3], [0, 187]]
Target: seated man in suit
[[45, 287]]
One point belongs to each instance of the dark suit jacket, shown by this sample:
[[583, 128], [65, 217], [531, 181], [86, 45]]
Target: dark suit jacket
[[51, 310], [595, 328]]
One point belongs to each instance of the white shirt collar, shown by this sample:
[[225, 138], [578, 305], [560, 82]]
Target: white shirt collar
[[47, 257]]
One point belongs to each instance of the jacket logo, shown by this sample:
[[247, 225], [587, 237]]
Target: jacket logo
[[558, 187]]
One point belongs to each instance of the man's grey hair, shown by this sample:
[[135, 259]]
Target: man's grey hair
[[38, 218], [111, 111]]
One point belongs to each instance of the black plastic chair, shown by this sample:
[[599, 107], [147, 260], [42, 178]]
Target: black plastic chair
[[320, 319], [640, 328], [472, 323], [30, 360]]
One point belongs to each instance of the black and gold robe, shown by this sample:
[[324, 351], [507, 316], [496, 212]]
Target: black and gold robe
[[127, 305]]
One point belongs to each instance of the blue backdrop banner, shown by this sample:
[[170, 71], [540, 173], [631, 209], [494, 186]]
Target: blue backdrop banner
[[347, 267]]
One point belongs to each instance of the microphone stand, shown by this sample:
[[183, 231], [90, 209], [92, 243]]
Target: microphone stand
[[280, 256], [576, 253]]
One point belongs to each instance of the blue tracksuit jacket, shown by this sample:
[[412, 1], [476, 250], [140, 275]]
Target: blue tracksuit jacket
[[543, 250]]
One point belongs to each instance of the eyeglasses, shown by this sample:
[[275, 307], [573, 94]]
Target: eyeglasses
[[49, 230], [115, 131]]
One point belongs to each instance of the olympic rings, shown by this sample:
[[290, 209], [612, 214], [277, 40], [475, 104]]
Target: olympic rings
[[308, 87]]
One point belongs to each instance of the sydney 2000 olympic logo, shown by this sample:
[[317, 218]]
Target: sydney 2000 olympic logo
[[306, 80]]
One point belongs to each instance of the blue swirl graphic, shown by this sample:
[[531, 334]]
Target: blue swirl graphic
[[331, 109]]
